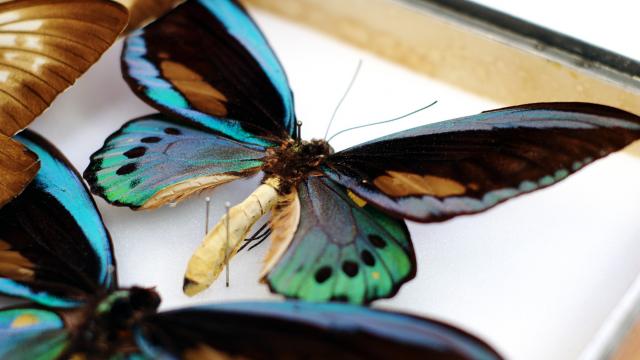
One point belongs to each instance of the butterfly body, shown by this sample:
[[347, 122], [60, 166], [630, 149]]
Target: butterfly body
[[293, 161]]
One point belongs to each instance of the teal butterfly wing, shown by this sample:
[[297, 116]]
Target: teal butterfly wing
[[207, 62], [53, 244], [299, 330], [155, 160], [467, 165], [32, 333], [341, 250]]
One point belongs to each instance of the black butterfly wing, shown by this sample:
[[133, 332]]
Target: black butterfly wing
[[54, 248], [208, 63], [299, 330], [467, 165]]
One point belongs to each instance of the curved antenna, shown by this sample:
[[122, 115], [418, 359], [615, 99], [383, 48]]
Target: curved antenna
[[344, 96], [383, 122]]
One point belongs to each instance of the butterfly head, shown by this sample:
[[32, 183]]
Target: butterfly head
[[294, 161]]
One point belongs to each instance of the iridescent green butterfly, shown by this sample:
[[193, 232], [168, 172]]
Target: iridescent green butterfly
[[337, 223], [56, 253]]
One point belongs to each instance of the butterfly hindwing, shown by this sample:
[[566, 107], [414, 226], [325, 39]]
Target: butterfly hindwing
[[207, 60], [53, 244], [31, 333], [18, 166], [467, 165], [342, 251], [155, 160], [47, 45], [299, 330]]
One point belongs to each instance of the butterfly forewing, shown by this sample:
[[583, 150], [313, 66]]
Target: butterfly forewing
[[54, 247], [155, 160], [18, 166], [342, 251], [206, 61], [46, 46], [467, 165]]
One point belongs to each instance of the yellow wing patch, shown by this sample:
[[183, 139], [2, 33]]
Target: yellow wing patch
[[199, 93], [396, 183], [356, 199], [24, 320]]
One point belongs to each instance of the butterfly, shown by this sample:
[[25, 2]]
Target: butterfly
[[227, 112], [56, 252], [46, 46]]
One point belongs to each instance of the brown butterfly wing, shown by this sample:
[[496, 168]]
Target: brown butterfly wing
[[45, 45], [18, 166]]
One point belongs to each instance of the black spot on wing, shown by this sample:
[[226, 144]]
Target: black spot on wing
[[367, 258], [127, 169], [136, 152], [350, 268], [150, 139], [377, 241], [323, 274], [172, 131]]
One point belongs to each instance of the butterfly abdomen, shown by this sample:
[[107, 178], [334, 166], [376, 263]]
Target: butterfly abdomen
[[225, 239], [294, 161]]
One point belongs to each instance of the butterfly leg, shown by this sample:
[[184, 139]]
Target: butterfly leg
[[260, 236]]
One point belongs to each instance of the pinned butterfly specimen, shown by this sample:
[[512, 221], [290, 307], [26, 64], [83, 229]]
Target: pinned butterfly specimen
[[45, 45], [337, 218], [56, 252]]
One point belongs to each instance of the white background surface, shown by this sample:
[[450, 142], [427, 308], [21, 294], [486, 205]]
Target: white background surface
[[535, 277]]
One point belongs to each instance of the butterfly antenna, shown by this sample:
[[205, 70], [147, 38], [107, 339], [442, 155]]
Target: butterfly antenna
[[344, 96], [226, 258], [207, 201], [383, 122]]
